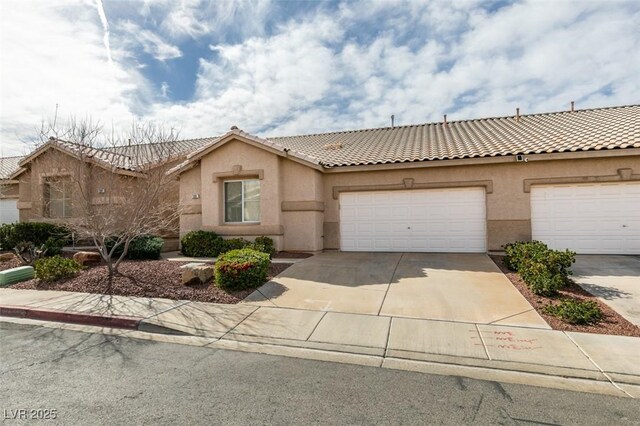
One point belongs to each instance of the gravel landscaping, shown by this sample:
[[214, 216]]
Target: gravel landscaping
[[143, 278], [14, 263], [611, 323]]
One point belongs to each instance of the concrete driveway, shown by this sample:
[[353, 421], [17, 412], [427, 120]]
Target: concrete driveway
[[452, 287], [614, 279]]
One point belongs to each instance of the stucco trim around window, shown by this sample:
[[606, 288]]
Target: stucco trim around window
[[624, 175], [409, 183], [237, 172]]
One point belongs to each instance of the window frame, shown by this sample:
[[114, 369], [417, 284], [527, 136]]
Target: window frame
[[66, 200], [224, 201]]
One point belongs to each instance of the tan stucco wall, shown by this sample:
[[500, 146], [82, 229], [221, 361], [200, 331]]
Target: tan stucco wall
[[280, 180], [300, 212]]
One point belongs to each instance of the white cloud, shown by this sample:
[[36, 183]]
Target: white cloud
[[150, 42], [347, 68], [53, 54]]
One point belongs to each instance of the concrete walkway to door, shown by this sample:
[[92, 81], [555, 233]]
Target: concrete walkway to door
[[438, 286]]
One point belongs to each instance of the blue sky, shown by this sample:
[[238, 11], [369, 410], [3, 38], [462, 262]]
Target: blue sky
[[279, 68]]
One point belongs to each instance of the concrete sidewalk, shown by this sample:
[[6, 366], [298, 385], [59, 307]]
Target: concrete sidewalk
[[587, 362]]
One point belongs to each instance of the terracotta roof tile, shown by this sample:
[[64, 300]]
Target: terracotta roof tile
[[580, 130], [8, 166]]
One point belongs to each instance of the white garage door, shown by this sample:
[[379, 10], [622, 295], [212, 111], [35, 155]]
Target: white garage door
[[8, 210], [437, 220], [589, 218]]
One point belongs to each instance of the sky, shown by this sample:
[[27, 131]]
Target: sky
[[277, 68]]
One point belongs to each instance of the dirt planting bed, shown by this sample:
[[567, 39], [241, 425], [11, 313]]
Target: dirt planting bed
[[150, 278], [611, 323]]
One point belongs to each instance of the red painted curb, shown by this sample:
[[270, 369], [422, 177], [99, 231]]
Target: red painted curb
[[115, 321]]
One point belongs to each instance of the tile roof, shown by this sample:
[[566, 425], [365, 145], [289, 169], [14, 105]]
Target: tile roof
[[154, 152], [580, 130], [127, 157], [8, 166]]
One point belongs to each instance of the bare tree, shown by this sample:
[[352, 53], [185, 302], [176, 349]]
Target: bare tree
[[107, 188]]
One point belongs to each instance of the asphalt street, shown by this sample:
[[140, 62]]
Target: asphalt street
[[96, 379]]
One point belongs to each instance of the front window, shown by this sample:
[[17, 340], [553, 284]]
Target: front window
[[242, 201], [57, 198]]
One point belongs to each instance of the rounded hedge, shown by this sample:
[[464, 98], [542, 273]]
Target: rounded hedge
[[56, 268], [38, 233], [241, 269], [141, 247], [202, 244], [145, 247]]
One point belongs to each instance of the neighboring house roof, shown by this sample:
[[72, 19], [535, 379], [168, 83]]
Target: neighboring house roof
[[128, 158], [8, 166], [160, 151], [580, 130]]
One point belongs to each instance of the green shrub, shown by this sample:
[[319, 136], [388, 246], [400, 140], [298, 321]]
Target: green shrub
[[544, 270], [202, 244], [241, 269], [235, 244], [145, 247], [541, 279], [519, 251], [54, 246], [141, 247], [576, 311], [37, 233], [56, 268], [264, 245]]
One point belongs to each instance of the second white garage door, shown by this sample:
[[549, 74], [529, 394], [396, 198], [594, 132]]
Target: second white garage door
[[434, 220], [588, 218]]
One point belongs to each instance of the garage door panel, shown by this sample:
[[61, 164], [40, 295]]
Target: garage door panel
[[451, 220], [588, 218], [9, 212]]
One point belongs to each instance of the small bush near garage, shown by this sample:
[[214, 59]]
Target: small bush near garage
[[37, 233], [516, 253], [56, 268], [544, 270], [541, 279], [202, 244], [241, 269], [581, 312], [145, 247]]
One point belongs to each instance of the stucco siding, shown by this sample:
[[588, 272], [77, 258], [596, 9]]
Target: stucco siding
[[300, 205]]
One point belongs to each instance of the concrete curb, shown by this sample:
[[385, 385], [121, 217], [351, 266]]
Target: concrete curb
[[112, 321]]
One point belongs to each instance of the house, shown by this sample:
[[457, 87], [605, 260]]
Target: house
[[8, 190], [571, 179], [48, 186]]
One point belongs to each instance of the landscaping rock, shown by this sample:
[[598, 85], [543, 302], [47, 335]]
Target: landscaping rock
[[87, 257], [196, 273], [6, 257]]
